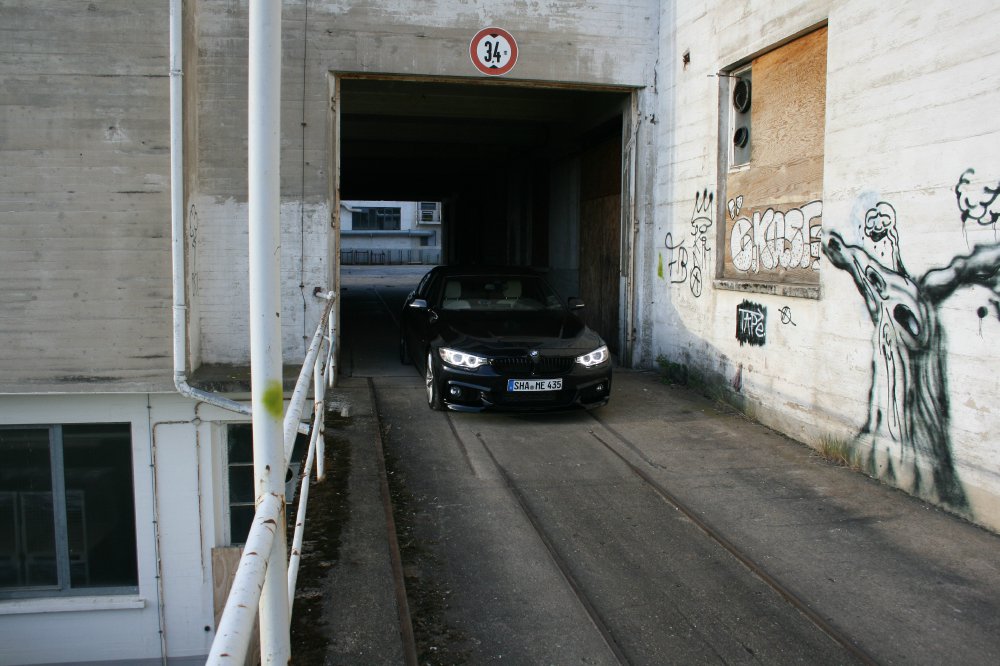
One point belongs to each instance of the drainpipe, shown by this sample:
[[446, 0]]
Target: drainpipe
[[178, 247], [264, 206], [265, 304]]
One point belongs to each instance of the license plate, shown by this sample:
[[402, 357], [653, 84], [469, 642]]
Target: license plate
[[515, 385]]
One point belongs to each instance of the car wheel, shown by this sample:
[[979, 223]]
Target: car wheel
[[433, 395], [404, 353]]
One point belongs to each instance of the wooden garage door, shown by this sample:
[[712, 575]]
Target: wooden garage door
[[600, 231]]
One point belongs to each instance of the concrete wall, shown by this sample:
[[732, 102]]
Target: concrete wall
[[84, 197], [84, 179], [899, 373], [558, 41]]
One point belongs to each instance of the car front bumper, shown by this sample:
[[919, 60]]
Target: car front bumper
[[485, 389]]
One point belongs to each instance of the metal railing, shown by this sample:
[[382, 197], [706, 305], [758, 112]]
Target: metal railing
[[235, 630], [390, 257]]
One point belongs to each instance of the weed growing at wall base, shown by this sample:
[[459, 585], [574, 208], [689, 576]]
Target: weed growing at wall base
[[840, 452]]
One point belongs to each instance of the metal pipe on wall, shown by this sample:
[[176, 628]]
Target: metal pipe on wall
[[264, 204], [177, 238]]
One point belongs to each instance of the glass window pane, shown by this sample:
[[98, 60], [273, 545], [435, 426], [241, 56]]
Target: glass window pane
[[100, 506], [241, 484], [240, 519], [27, 524], [10, 560], [240, 443]]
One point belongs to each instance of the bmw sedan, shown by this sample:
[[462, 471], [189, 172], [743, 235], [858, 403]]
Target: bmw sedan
[[501, 339]]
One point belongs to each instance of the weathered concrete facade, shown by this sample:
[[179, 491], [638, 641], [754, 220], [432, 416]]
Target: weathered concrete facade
[[877, 339], [890, 353], [561, 43], [85, 233], [85, 332]]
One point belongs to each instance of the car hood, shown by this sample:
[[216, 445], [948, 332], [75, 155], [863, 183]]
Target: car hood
[[501, 332]]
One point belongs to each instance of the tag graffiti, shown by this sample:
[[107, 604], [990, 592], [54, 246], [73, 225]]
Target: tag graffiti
[[751, 324], [771, 240], [689, 264]]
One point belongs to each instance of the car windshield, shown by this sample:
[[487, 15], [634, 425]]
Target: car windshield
[[498, 293]]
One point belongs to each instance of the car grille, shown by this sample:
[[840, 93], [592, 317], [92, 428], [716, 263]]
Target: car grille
[[524, 365]]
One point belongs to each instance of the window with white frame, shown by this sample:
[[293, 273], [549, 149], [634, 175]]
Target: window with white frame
[[240, 483], [67, 510], [376, 219], [239, 451]]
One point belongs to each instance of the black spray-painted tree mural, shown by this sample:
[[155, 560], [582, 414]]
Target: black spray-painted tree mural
[[908, 402]]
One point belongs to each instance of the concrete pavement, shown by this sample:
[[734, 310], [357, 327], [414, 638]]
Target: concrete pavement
[[903, 581], [659, 529]]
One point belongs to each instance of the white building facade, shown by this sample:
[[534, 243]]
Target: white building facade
[[387, 233]]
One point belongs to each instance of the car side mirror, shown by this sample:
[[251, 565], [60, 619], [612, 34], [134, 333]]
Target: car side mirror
[[418, 303], [575, 303]]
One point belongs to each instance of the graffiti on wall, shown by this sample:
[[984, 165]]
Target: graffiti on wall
[[751, 324], [786, 316], [908, 415], [773, 239], [977, 203], [687, 258]]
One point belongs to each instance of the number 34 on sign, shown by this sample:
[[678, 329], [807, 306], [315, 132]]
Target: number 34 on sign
[[493, 51]]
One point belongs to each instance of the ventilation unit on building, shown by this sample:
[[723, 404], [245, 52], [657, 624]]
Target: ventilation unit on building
[[429, 212]]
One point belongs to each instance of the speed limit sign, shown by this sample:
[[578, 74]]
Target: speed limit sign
[[493, 51]]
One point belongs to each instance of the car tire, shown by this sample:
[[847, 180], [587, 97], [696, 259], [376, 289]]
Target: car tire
[[404, 353], [433, 395]]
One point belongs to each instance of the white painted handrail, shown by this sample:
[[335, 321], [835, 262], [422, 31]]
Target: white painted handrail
[[236, 625], [300, 516], [232, 638], [293, 416]]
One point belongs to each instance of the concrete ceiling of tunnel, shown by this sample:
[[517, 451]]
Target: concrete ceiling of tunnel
[[405, 139]]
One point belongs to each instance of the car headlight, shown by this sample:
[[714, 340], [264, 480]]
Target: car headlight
[[461, 359], [596, 357]]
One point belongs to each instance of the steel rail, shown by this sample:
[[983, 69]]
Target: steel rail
[[564, 569], [410, 657], [786, 593]]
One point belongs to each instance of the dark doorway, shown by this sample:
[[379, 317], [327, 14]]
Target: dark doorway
[[600, 229], [526, 174]]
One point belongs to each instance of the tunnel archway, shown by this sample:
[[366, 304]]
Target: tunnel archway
[[526, 174]]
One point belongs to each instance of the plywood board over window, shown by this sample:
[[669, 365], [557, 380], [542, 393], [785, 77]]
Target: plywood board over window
[[774, 202]]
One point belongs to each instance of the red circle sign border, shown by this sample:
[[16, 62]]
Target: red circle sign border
[[488, 70]]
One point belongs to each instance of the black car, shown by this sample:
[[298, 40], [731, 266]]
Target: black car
[[501, 339]]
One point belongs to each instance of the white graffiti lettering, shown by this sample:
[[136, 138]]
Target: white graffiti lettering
[[772, 240], [751, 323]]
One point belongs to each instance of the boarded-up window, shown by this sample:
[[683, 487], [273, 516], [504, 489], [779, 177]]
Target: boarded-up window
[[774, 200]]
